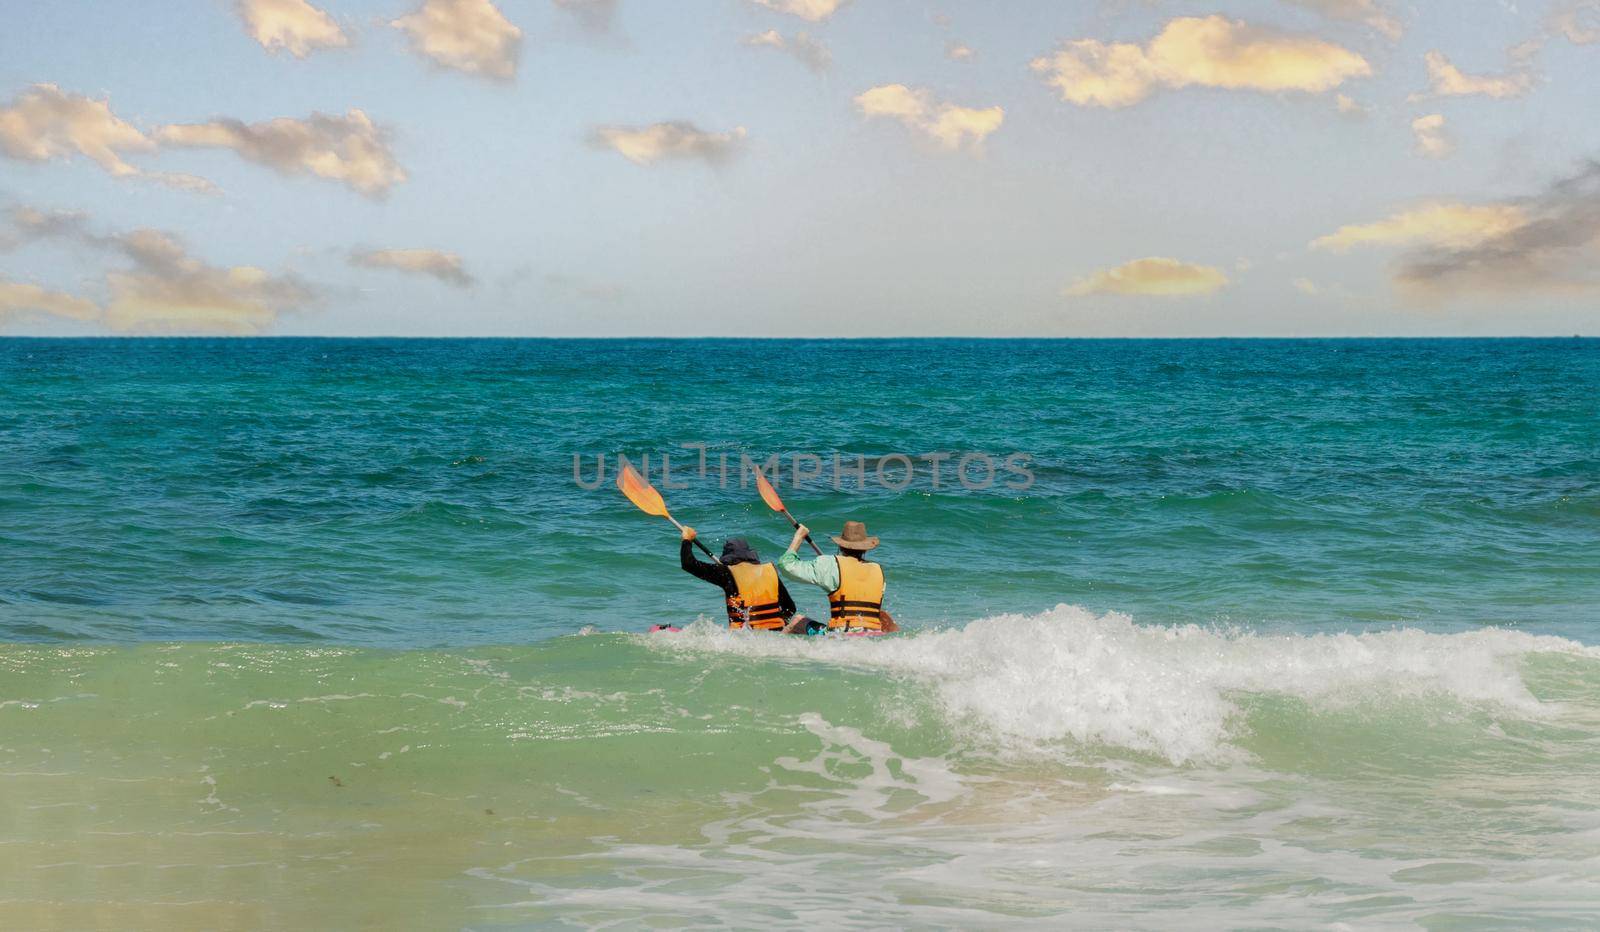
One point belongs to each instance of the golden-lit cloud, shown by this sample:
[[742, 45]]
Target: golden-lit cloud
[[170, 291], [1548, 243], [293, 26], [950, 125], [1307, 287], [1447, 225], [1368, 12], [468, 35], [812, 11], [1554, 250], [1213, 51], [808, 51], [349, 149], [20, 298], [676, 139], [1432, 140], [445, 266], [1348, 105], [163, 289], [45, 122], [959, 51], [1152, 276], [1446, 80]]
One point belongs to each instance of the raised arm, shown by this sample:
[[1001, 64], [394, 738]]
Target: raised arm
[[692, 564], [823, 572]]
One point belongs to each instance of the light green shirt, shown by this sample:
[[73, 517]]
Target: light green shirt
[[823, 571]]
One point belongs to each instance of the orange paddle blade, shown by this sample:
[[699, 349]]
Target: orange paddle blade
[[640, 492], [768, 493]]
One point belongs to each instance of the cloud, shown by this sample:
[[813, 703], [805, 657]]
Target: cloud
[[1432, 141], [1368, 12], [1210, 52], [812, 11], [350, 149], [45, 122], [593, 15], [1578, 21], [958, 51], [1349, 106], [445, 266], [1307, 286], [810, 52], [1446, 80], [950, 125], [1546, 243], [31, 223], [676, 139], [1151, 276], [467, 35], [170, 291], [294, 26], [19, 298], [1445, 225], [166, 290], [1555, 249]]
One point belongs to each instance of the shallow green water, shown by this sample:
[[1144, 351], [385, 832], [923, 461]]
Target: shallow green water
[[1108, 774]]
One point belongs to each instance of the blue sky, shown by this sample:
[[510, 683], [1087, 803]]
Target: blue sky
[[882, 194]]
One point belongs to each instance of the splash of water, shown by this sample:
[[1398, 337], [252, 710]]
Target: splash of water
[[1028, 683]]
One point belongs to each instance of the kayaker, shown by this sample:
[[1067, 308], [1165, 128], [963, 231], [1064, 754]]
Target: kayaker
[[754, 595], [854, 585]]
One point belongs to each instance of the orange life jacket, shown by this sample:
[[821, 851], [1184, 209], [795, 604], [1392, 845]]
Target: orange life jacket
[[756, 604], [858, 602]]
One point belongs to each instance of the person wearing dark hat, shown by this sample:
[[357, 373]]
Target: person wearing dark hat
[[754, 594], [854, 585]]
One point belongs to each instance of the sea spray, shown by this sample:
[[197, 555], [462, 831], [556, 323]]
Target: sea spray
[[1030, 682]]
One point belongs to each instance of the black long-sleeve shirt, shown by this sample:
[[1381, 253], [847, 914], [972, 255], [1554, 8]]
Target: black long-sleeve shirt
[[719, 575]]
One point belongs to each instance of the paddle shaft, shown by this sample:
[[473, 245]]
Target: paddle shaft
[[704, 549], [808, 536]]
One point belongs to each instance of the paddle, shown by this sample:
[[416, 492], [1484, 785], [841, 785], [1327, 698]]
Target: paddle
[[648, 500], [770, 496]]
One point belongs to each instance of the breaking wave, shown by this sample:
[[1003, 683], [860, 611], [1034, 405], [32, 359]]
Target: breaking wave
[[1032, 683]]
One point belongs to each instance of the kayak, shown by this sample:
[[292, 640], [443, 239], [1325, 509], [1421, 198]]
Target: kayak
[[814, 632]]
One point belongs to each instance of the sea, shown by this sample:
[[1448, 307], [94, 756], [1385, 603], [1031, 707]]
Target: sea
[[324, 633]]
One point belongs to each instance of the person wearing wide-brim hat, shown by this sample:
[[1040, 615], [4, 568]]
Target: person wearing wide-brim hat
[[853, 583]]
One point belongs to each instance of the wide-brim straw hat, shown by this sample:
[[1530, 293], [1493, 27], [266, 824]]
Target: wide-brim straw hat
[[855, 537]]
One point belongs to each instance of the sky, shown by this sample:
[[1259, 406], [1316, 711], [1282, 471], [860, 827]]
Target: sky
[[800, 168]]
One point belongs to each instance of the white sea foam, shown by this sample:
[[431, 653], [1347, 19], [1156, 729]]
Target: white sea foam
[[1035, 681]]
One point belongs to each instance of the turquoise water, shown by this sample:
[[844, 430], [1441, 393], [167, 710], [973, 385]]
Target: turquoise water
[[322, 632], [419, 493]]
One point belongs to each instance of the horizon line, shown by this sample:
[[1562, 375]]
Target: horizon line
[[778, 339]]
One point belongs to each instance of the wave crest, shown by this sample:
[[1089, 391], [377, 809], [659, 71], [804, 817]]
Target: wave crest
[[1032, 682]]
